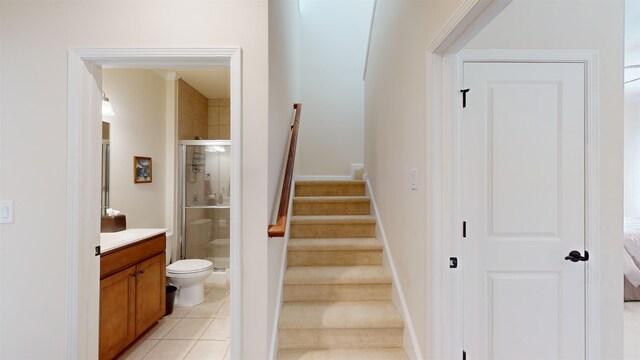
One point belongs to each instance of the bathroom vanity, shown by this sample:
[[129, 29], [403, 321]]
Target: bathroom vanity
[[132, 286]]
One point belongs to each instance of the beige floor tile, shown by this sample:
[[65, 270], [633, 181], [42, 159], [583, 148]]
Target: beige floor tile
[[208, 286], [208, 350], [224, 309], [164, 326], [220, 329], [139, 350], [205, 310], [180, 311], [189, 329], [217, 295], [170, 350]]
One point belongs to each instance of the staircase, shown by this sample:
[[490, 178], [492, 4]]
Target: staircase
[[337, 296]]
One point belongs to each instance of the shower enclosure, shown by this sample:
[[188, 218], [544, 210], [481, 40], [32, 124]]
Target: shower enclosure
[[204, 198]]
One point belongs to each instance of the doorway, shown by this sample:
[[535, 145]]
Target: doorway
[[85, 67]]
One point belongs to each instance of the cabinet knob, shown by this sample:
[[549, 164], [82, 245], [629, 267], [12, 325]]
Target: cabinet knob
[[141, 271]]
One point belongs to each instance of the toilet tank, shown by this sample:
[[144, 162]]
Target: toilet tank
[[169, 246]]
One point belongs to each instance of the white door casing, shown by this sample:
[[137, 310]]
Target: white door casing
[[83, 211], [522, 193]]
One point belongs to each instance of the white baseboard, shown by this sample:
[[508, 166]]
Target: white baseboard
[[322, 177], [411, 342]]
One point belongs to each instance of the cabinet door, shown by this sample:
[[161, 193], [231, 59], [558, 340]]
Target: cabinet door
[[117, 312], [150, 292]]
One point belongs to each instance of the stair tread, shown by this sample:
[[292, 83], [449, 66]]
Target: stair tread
[[331, 199], [329, 182], [324, 244], [342, 354], [332, 275], [340, 315], [333, 219]]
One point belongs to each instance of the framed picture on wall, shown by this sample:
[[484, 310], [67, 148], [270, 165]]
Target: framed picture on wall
[[142, 170]]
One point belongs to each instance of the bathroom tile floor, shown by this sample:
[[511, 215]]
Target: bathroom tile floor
[[189, 333]]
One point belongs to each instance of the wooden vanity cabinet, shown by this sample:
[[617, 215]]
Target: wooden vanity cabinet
[[132, 293]]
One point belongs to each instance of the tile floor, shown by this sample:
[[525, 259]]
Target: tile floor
[[631, 330], [190, 333]]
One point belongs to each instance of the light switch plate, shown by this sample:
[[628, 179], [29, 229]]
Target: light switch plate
[[6, 212], [413, 176]]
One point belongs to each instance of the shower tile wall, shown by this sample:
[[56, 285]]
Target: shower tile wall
[[219, 119], [198, 116], [192, 113]]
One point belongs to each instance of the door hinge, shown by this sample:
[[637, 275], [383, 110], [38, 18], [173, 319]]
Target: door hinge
[[464, 229], [464, 97], [98, 250], [464, 355], [453, 263]]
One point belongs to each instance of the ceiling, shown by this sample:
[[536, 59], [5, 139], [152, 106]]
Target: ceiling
[[213, 83]]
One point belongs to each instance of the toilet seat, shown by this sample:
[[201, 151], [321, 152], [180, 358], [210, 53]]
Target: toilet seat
[[189, 266]]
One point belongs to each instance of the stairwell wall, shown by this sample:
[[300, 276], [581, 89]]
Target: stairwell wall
[[284, 89], [395, 137], [333, 39]]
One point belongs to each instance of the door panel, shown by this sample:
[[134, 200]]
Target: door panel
[[523, 201]]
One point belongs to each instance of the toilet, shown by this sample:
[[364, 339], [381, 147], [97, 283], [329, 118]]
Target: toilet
[[188, 276]]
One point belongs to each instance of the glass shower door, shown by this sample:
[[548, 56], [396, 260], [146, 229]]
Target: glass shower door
[[204, 200]]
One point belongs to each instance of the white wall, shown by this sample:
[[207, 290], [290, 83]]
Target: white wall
[[33, 114], [284, 90], [137, 129], [395, 137], [333, 39], [527, 16]]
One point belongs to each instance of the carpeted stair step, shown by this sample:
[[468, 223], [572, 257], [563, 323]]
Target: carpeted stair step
[[336, 283], [332, 226], [331, 205], [334, 252], [330, 188], [343, 354], [341, 324]]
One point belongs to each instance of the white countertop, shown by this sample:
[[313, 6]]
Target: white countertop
[[114, 240]]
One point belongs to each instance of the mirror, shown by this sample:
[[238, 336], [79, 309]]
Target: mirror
[[104, 198]]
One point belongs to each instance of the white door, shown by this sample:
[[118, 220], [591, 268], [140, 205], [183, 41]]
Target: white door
[[523, 183]]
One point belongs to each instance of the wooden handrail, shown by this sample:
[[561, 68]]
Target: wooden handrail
[[278, 229]]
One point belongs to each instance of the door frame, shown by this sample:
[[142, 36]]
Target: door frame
[[444, 161], [82, 281]]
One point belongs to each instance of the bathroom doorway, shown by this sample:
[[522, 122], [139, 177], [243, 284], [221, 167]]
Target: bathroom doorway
[[84, 93]]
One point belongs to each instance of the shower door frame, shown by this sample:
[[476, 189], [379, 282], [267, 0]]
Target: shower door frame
[[182, 189]]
